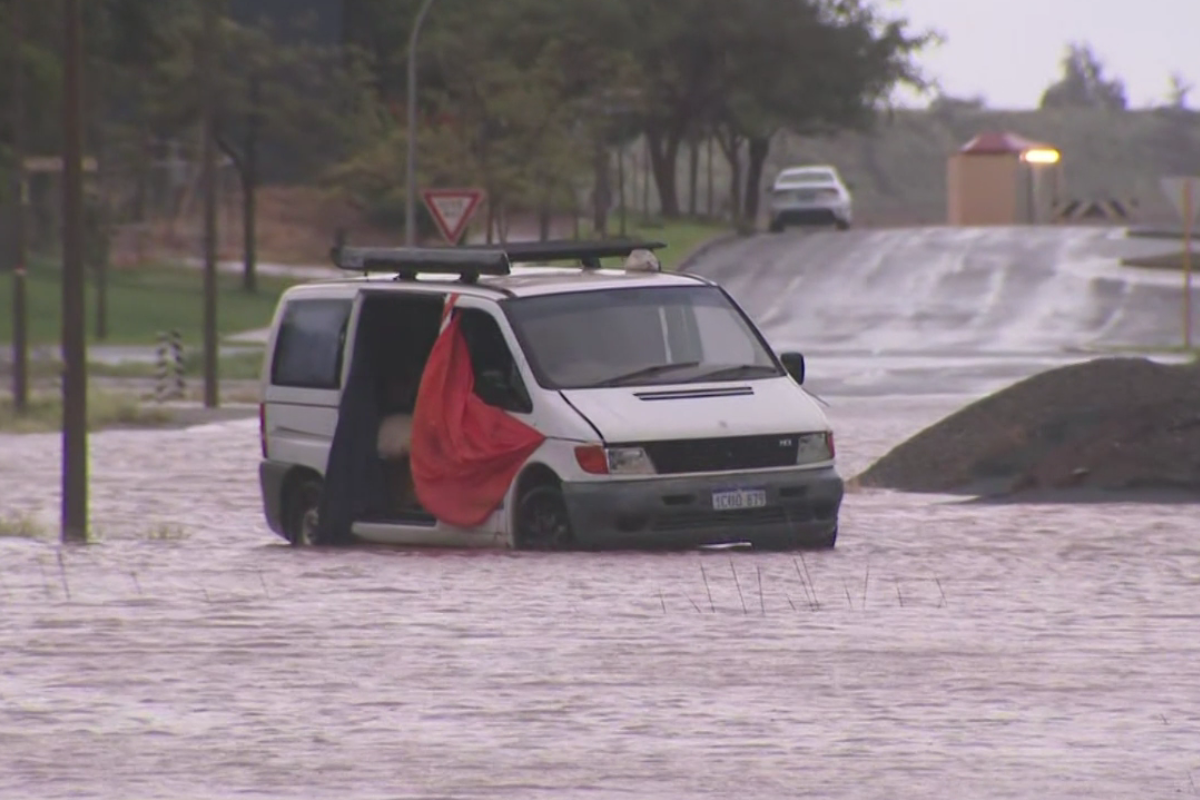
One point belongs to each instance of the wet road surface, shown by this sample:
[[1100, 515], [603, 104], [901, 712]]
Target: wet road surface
[[949, 310], [942, 650]]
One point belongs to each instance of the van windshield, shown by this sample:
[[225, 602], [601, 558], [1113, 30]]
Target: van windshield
[[638, 337]]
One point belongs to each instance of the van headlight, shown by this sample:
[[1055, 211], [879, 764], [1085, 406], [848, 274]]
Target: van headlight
[[598, 460], [814, 448]]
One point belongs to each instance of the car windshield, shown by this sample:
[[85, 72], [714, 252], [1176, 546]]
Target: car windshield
[[806, 177], [638, 337]]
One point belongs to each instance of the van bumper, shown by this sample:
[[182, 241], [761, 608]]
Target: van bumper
[[271, 478], [801, 511]]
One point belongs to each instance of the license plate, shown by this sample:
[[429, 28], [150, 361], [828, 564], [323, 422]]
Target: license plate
[[738, 499]]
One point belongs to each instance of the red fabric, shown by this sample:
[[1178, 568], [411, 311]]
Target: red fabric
[[465, 453]]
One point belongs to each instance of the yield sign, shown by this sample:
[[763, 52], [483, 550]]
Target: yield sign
[[452, 209], [1184, 194]]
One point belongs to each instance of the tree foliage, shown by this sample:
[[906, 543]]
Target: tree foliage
[[1084, 84], [523, 97]]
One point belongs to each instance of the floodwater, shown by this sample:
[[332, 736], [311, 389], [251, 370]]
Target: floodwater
[[943, 650]]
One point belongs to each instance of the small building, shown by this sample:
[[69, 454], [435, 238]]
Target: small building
[[997, 179]]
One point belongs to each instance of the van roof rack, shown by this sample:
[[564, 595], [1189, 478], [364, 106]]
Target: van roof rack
[[587, 252], [471, 261]]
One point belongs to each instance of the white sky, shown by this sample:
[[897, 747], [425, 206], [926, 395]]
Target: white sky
[[1009, 50]]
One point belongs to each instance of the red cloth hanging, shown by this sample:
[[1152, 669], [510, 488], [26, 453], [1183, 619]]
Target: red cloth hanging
[[465, 453]]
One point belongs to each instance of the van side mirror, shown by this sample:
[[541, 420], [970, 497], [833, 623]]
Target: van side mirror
[[794, 364]]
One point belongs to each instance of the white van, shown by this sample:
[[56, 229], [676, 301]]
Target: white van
[[668, 420]]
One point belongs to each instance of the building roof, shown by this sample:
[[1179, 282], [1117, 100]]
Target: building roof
[[994, 143]]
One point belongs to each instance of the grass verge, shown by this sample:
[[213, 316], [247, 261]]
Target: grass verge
[[105, 410], [1171, 262], [238, 367], [681, 237], [145, 301], [21, 526]]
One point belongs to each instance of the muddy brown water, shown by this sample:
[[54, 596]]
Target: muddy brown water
[[943, 649]]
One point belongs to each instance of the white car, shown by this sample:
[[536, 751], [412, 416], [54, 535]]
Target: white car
[[668, 422], [810, 195]]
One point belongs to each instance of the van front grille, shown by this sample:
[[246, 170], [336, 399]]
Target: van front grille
[[699, 520], [720, 455]]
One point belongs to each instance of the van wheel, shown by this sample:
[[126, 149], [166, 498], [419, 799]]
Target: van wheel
[[775, 227], [302, 512], [829, 541], [542, 520]]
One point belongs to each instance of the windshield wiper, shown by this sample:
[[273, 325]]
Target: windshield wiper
[[644, 372], [737, 370]]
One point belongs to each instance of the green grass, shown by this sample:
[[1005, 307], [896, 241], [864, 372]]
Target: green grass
[[105, 410], [142, 302], [239, 367], [21, 526], [1171, 262], [681, 237]]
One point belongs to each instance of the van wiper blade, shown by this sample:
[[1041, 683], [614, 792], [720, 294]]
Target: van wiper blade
[[737, 370], [644, 372]]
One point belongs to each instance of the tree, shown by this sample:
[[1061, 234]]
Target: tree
[[1177, 95], [1083, 83], [305, 99], [822, 68], [949, 105], [749, 68]]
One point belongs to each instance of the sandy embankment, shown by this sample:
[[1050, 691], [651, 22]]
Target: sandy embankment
[[1102, 429]]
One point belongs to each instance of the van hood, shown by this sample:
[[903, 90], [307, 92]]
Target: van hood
[[698, 410]]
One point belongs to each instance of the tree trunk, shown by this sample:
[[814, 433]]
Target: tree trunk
[[601, 191], [544, 215], [693, 174], [708, 184], [760, 148], [250, 194], [731, 145], [621, 205], [664, 155]]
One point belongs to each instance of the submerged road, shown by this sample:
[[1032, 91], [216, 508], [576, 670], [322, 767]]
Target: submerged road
[[941, 650], [948, 310]]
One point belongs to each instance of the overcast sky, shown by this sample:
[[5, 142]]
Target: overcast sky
[[1009, 50]]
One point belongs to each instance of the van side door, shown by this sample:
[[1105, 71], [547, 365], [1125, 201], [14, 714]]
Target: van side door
[[303, 376]]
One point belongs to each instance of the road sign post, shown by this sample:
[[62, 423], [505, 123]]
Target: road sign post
[[452, 210], [1184, 194]]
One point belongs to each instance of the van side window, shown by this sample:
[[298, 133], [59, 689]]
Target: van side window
[[308, 348], [497, 380]]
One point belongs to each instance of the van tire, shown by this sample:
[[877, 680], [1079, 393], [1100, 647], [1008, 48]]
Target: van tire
[[301, 503], [830, 540], [543, 522]]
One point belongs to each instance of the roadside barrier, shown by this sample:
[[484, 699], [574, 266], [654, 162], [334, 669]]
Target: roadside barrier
[[1107, 210], [169, 373]]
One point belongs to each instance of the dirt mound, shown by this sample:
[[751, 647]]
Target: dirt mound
[[1109, 424]]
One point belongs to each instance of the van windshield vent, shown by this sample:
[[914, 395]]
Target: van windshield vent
[[695, 394]]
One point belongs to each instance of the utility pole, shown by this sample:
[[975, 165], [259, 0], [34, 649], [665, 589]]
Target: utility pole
[[208, 179], [410, 203], [74, 347], [20, 196]]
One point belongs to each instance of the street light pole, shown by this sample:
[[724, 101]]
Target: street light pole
[[208, 158], [20, 196], [74, 347], [410, 205]]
